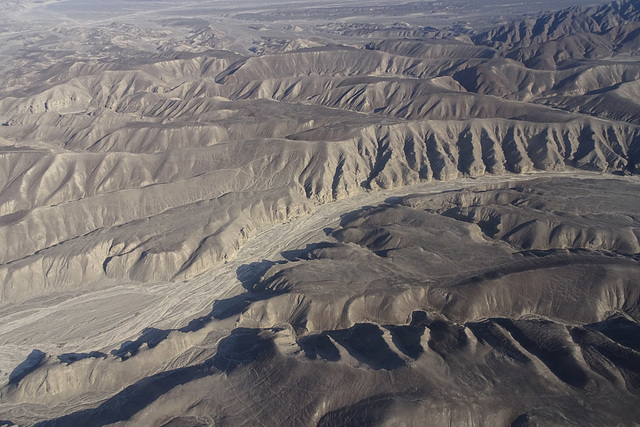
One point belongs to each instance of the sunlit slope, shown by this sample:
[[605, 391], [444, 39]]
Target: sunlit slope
[[93, 149]]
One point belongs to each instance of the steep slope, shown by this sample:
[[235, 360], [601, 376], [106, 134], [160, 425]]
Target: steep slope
[[421, 110], [542, 330], [567, 22], [195, 236], [315, 166]]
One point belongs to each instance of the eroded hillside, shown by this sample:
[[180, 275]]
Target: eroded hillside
[[142, 166]]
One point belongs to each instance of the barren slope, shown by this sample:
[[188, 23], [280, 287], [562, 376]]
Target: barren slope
[[195, 235], [543, 309]]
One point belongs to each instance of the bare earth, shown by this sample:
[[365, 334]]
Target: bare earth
[[318, 213]]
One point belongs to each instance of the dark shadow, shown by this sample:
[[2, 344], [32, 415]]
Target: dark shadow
[[436, 159], [512, 154], [364, 342], [327, 231], [368, 412], [407, 339], [489, 227], [132, 399], [223, 309], [619, 329], [249, 274], [319, 346], [522, 421], [592, 346], [586, 146], [609, 358], [305, 253], [621, 173], [241, 347], [394, 200], [487, 332], [70, 358], [490, 157], [346, 218], [468, 79], [466, 155], [633, 156], [185, 422], [150, 336], [419, 318], [551, 351], [604, 90], [524, 228], [539, 253], [561, 259], [33, 360], [538, 150], [383, 253], [106, 263], [383, 155], [446, 338]]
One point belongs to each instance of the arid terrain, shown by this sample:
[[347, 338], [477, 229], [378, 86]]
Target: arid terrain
[[315, 213]]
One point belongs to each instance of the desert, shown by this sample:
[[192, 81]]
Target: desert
[[314, 213]]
